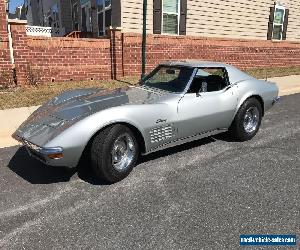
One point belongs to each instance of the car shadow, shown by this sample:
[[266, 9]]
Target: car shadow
[[224, 137], [35, 172], [86, 173], [176, 149]]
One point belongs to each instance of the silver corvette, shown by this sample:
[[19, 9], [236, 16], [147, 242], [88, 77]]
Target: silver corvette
[[176, 103]]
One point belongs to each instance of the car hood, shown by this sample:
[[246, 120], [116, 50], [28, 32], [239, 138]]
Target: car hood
[[69, 107]]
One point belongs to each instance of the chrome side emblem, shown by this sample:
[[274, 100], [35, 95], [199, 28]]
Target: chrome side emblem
[[161, 120]]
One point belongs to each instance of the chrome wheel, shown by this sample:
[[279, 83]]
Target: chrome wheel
[[123, 152], [251, 119]]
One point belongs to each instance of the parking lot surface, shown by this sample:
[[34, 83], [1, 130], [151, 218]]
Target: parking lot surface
[[199, 195]]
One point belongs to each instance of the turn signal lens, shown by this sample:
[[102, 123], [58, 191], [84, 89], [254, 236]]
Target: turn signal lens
[[55, 156]]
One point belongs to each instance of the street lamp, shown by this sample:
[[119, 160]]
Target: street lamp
[[144, 38]]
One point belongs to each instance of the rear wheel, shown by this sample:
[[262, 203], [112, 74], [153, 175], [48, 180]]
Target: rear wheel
[[247, 120], [114, 153]]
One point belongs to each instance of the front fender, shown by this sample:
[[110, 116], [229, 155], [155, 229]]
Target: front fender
[[74, 139]]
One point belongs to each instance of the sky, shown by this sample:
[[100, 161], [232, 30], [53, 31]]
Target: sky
[[13, 4]]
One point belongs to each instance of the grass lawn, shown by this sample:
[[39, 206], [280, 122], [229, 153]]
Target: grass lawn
[[262, 73], [31, 96]]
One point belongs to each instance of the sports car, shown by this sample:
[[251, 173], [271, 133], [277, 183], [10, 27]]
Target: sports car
[[178, 102]]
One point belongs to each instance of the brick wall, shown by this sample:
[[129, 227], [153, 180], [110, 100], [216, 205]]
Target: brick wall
[[5, 65], [59, 59], [62, 59], [241, 53]]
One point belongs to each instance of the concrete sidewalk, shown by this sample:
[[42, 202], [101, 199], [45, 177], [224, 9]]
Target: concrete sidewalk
[[288, 85], [10, 119]]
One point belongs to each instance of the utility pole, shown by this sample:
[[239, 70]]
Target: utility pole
[[144, 38]]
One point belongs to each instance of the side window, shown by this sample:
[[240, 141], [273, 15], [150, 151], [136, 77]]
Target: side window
[[209, 80]]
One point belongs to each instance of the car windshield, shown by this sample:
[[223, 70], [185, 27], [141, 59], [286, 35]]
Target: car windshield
[[168, 78]]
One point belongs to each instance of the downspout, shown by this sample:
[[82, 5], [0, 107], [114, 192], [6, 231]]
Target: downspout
[[10, 45], [11, 54]]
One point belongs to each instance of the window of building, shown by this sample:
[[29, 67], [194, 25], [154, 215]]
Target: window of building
[[278, 22], [49, 19], [86, 17], [75, 16], [55, 16], [170, 16], [26, 6], [104, 16]]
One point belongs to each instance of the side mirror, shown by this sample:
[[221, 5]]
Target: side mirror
[[198, 94]]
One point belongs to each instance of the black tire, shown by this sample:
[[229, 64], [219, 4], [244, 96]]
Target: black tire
[[237, 129], [101, 153]]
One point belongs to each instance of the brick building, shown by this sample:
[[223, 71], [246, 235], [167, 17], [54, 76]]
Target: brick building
[[265, 34]]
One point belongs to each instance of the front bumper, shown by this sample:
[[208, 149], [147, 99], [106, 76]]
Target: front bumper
[[50, 156], [276, 100]]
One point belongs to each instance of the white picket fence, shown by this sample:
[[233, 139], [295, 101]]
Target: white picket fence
[[44, 31]]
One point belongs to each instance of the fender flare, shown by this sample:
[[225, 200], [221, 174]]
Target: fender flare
[[136, 130], [247, 96]]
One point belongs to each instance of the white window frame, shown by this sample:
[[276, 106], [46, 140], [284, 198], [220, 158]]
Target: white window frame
[[280, 7], [171, 13], [104, 9]]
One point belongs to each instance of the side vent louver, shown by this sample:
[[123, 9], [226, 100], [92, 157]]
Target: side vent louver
[[161, 133]]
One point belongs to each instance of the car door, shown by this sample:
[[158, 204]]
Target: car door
[[206, 111]]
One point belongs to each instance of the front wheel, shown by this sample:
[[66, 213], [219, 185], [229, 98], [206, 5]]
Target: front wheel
[[247, 120], [114, 153]]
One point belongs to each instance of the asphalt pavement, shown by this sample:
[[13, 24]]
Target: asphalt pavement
[[200, 195]]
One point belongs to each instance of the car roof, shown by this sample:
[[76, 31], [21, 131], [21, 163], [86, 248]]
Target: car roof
[[195, 63]]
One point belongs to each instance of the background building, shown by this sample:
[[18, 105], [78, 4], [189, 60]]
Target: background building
[[230, 19], [267, 19], [50, 13], [263, 34], [19, 13]]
